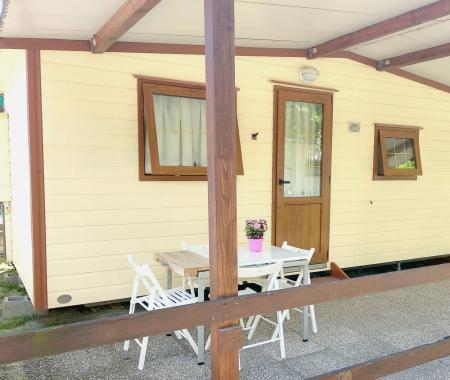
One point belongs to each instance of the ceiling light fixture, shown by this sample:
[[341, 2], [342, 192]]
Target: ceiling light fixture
[[308, 74]]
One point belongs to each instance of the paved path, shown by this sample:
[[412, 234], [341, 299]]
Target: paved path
[[350, 331]]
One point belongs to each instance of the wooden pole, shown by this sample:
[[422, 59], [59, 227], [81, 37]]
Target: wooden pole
[[221, 129], [36, 152]]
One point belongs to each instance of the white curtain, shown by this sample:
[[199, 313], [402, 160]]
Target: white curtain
[[181, 131], [303, 149]]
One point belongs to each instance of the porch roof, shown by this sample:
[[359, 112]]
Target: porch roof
[[291, 24]]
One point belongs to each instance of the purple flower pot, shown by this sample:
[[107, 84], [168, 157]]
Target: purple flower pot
[[255, 245]]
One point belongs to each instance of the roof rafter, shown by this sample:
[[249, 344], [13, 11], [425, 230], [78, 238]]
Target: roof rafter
[[395, 70], [395, 24], [125, 18], [412, 58], [142, 47]]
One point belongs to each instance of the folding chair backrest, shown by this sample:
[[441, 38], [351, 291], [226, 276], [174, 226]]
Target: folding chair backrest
[[143, 273], [272, 271], [307, 253], [200, 249]]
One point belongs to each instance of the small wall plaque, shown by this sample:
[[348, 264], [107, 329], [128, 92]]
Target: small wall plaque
[[354, 126]]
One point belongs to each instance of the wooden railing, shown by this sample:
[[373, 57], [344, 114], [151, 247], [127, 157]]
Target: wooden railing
[[374, 369], [51, 341]]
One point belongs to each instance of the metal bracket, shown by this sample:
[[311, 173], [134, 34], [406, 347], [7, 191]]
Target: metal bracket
[[381, 63]]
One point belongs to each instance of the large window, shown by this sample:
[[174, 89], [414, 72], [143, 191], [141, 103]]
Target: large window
[[397, 152], [172, 131]]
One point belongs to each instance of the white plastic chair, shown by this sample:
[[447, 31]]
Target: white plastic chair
[[287, 283], [271, 272], [189, 282], [155, 298]]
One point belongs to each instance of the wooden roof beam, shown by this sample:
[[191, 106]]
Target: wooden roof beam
[[393, 70], [123, 20], [412, 58], [395, 24]]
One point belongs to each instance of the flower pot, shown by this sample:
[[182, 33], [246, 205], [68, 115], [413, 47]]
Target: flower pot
[[255, 245]]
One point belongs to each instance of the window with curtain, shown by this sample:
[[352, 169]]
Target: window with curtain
[[303, 149], [173, 140], [396, 152]]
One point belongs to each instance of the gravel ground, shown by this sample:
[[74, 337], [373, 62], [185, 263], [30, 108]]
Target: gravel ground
[[350, 332]]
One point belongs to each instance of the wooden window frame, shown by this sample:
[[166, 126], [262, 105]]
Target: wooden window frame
[[401, 131], [147, 86]]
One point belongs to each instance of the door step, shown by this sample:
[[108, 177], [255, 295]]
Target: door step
[[336, 273]]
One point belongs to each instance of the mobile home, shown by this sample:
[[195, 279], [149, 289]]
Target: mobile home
[[108, 151]]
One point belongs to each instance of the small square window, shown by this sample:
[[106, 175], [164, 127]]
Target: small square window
[[172, 131], [396, 152]]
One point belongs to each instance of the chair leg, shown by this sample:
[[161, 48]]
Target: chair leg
[[187, 335], [283, 316], [208, 343], [143, 352], [254, 325], [191, 285], [250, 321], [312, 313], [281, 334], [126, 344]]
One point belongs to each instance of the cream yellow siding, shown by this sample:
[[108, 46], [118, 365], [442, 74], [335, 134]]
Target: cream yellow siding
[[5, 176], [97, 211], [5, 184], [16, 107]]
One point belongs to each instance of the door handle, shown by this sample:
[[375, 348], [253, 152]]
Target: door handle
[[283, 182]]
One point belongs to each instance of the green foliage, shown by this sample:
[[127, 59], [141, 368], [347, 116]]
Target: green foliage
[[5, 267], [255, 228], [15, 322], [411, 164], [13, 288]]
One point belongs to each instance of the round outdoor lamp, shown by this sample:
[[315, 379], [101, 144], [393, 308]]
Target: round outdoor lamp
[[308, 74]]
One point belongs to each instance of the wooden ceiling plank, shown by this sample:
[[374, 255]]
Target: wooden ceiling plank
[[395, 24], [123, 20], [412, 58]]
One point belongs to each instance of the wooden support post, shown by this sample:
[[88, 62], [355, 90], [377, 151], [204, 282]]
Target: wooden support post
[[35, 138], [221, 128]]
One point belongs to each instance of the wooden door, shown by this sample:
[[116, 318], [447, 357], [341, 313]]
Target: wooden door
[[302, 167]]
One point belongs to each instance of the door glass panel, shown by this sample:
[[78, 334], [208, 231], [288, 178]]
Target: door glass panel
[[303, 149]]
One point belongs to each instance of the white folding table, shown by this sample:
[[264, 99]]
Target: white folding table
[[183, 263]]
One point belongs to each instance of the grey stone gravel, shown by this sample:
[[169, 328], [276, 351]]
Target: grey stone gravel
[[350, 331]]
